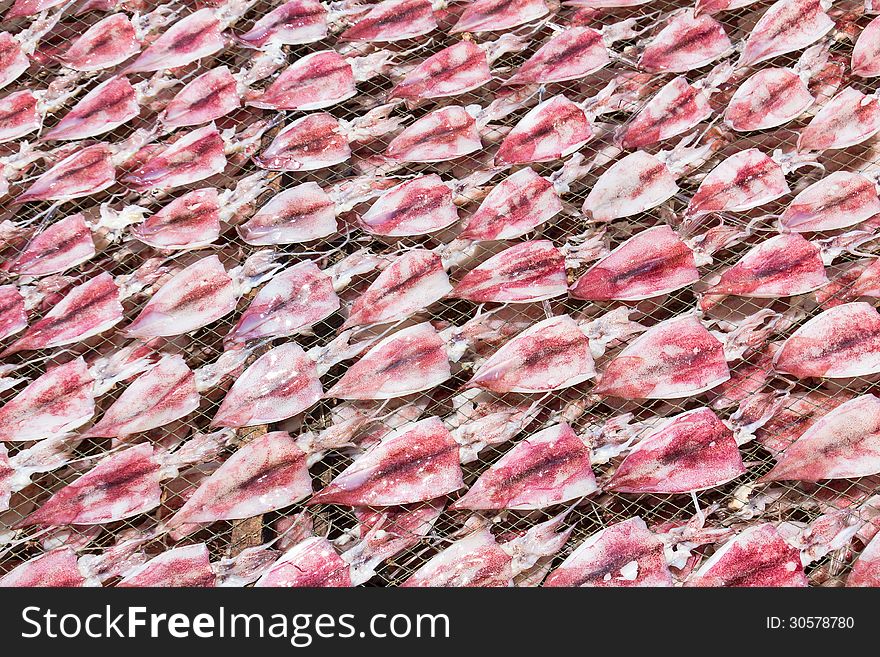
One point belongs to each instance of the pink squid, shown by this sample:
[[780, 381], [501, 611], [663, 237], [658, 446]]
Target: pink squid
[[842, 444], [87, 310], [60, 246], [691, 451], [411, 282], [866, 51], [278, 385], [552, 354], [59, 401], [495, 15], [415, 207], [266, 474], [623, 554], [415, 463], [783, 266], [552, 130], [444, 134], [849, 118], [758, 556], [514, 207], [673, 359], [839, 200], [686, 42], [523, 273], [549, 467], [407, 361], [841, 342], [13, 313], [393, 20], [788, 25], [165, 393], [292, 23], [651, 263], [294, 300], [319, 140], [774, 96]]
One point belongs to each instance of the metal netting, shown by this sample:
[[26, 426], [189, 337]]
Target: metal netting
[[797, 502]]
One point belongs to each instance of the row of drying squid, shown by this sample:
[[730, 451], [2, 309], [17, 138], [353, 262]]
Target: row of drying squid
[[382, 374]]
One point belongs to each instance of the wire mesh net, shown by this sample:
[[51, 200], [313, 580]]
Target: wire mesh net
[[795, 502]]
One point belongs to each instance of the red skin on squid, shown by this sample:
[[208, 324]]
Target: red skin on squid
[[393, 20], [525, 272], [29, 8], [318, 80], [18, 115], [13, 61], [295, 22], [782, 266], [444, 134], [866, 52], [865, 571], [163, 394], [743, 181], [454, 70], [839, 200], [208, 97], [798, 414], [84, 172], [120, 486], [311, 563], [552, 354], [849, 118], [105, 108], [759, 556], [841, 342], [60, 246], [842, 444], [280, 384], [194, 297], [185, 566], [56, 568], [407, 361], [13, 316], [651, 263], [674, 359], [415, 463], [692, 451], [294, 300], [198, 155], [552, 130], [546, 468], [601, 559], [298, 214], [58, 401], [788, 25], [266, 474], [193, 37], [477, 560], [636, 183], [767, 99], [571, 54], [496, 15], [514, 207], [685, 43], [312, 142], [416, 207], [413, 281], [105, 44], [675, 109], [88, 309], [189, 221]]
